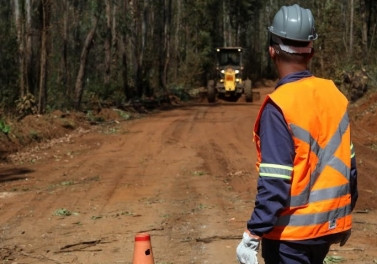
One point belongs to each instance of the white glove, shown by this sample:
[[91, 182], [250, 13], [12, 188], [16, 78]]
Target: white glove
[[247, 250]]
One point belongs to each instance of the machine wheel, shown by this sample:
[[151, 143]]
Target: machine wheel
[[211, 93], [248, 91]]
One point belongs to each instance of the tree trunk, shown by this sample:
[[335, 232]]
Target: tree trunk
[[114, 26], [140, 60], [43, 67], [134, 44], [122, 45], [20, 39], [123, 54], [178, 29], [107, 46], [351, 28], [28, 50], [79, 86], [64, 65], [364, 31], [167, 25], [224, 25], [137, 47]]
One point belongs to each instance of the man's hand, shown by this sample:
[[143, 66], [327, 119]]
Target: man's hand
[[247, 250]]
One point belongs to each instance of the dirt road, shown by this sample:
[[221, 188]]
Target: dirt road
[[186, 176]]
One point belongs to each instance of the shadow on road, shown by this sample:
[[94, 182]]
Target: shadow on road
[[13, 174]]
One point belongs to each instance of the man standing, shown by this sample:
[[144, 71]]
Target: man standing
[[307, 186]]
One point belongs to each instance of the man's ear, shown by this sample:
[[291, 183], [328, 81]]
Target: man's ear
[[272, 52]]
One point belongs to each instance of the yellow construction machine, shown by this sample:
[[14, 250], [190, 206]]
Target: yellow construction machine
[[229, 83]]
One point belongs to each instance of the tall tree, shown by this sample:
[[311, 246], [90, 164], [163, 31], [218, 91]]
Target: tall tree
[[9, 66], [79, 85], [123, 44], [108, 44], [364, 30], [64, 55], [18, 12], [140, 12], [46, 10], [28, 47], [351, 28], [166, 44]]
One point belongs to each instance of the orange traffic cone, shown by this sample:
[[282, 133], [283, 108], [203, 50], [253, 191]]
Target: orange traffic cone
[[143, 249]]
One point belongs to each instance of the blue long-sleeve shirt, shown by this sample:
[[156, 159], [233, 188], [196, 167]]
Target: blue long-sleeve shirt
[[277, 147]]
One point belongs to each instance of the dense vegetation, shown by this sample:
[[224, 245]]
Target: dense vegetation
[[70, 54]]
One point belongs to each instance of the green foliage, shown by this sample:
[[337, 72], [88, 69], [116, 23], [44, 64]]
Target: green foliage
[[180, 91], [190, 70], [62, 212], [4, 128], [372, 75], [93, 118], [333, 259], [124, 115]]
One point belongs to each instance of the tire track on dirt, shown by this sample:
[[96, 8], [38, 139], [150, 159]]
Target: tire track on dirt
[[167, 152], [110, 180]]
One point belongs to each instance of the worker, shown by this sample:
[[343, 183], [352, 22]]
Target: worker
[[307, 184]]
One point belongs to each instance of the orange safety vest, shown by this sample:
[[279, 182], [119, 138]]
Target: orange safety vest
[[320, 200]]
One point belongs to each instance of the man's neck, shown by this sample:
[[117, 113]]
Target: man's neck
[[285, 69]]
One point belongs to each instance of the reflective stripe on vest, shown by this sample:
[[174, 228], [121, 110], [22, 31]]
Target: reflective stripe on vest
[[352, 151], [275, 171], [318, 218], [325, 158]]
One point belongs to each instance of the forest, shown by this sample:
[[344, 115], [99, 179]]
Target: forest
[[73, 54]]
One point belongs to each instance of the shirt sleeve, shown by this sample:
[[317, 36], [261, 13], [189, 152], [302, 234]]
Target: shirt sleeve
[[274, 183]]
